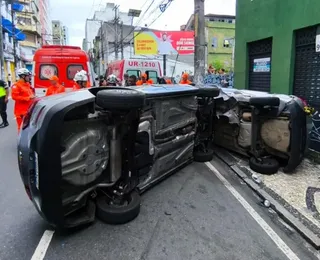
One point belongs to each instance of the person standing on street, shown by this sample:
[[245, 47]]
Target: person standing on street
[[55, 87], [4, 97], [185, 79], [144, 80], [81, 80], [125, 82], [23, 95]]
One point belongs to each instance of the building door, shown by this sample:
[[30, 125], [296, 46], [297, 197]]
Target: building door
[[260, 65], [307, 66]]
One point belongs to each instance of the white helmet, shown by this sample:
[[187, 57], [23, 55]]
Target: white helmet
[[23, 72], [81, 76], [112, 79]]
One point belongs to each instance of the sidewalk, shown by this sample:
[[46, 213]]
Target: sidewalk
[[296, 196]]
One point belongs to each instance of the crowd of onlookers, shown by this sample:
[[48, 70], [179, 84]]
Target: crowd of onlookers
[[218, 77], [133, 80]]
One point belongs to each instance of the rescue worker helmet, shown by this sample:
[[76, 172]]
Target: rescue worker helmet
[[112, 79], [81, 76], [23, 72]]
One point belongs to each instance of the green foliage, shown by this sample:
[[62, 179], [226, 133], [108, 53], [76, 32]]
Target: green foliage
[[217, 64]]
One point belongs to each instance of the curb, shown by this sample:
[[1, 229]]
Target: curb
[[287, 216]]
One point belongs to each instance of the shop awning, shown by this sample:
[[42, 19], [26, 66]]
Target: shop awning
[[8, 27], [6, 24]]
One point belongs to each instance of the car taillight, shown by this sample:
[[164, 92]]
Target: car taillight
[[27, 117]]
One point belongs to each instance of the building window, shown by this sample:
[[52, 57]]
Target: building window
[[47, 71], [230, 21], [214, 43], [73, 69], [226, 43]]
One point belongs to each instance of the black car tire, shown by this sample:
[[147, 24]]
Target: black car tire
[[266, 166], [264, 101], [203, 156], [120, 99], [208, 92], [112, 214]]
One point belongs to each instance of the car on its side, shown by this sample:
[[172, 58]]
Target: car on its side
[[93, 151], [271, 129]]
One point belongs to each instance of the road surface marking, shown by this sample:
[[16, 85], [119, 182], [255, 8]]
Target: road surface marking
[[271, 233], [43, 245]]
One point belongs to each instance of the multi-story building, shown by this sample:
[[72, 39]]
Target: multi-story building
[[28, 21], [65, 35], [59, 33], [220, 34], [44, 17]]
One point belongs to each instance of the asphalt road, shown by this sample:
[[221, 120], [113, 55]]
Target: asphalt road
[[191, 215]]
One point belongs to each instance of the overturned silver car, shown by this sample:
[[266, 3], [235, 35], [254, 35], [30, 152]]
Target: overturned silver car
[[269, 128]]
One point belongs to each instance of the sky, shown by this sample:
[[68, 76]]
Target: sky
[[73, 13]]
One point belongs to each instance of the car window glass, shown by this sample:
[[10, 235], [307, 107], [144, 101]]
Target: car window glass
[[47, 71], [133, 72], [73, 69]]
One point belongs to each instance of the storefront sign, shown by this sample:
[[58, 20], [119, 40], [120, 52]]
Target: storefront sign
[[262, 65]]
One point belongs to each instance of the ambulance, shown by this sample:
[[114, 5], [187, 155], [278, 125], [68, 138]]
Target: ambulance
[[62, 61], [135, 67]]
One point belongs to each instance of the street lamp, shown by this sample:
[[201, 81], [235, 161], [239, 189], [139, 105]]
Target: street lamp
[[133, 13]]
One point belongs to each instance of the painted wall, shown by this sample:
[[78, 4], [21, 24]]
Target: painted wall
[[258, 20], [217, 53]]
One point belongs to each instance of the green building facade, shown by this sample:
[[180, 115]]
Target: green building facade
[[276, 47], [220, 44], [220, 34]]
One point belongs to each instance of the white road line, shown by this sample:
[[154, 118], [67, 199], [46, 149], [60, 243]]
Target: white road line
[[43, 245], [271, 233]]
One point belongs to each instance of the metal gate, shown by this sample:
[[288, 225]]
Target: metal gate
[[307, 67], [259, 76]]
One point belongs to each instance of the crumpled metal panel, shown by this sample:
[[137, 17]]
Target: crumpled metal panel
[[86, 152]]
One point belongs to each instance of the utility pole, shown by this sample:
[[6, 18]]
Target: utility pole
[[199, 37], [116, 33], [2, 63], [121, 40], [102, 47], [14, 38]]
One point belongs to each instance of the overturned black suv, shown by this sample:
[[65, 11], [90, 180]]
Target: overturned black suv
[[92, 152]]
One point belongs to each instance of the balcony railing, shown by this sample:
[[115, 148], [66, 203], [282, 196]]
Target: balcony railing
[[29, 28], [29, 44]]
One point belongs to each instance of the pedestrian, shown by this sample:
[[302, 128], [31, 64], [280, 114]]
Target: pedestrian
[[55, 87], [81, 80], [125, 80], [132, 81], [9, 80], [185, 79], [102, 82], [4, 97], [144, 80], [23, 95]]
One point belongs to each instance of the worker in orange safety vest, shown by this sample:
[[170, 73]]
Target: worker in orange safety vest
[[185, 79], [55, 87], [23, 95], [144, 80], [81, 80]]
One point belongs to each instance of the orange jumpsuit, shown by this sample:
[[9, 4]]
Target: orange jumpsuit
[[148, 82], [168, 81], [22, 93], [185, 82], [55, 90]]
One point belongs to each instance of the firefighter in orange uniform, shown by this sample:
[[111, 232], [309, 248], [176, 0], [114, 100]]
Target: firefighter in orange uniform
[[144, 80], [81, 80], [185, 79], [55, 87], [23, 95]]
